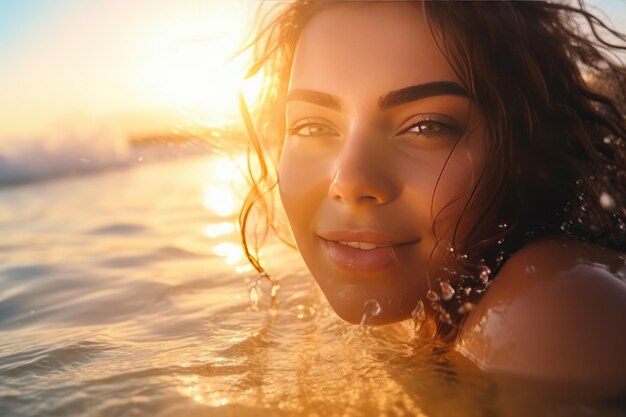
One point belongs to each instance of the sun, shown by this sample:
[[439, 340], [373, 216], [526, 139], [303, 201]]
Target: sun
[[193, 67]]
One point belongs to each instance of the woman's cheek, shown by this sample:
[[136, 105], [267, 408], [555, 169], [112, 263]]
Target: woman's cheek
[[303, 181], [455, 189]]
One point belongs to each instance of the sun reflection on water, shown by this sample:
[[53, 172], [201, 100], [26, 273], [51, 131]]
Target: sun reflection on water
[[202, 393], [218, 229], [220, 200], [221, 195], [233, 253]]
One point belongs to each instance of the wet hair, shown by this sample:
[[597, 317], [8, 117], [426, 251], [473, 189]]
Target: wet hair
[[551, 88]]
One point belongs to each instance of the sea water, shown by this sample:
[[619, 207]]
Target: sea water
[[124, 292]]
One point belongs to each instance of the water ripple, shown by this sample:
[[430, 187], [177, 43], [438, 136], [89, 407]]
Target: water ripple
[[118, 229], [58, 359]]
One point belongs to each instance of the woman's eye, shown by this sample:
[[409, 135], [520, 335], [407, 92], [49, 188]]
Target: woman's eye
[[312, 129], [431, 128]]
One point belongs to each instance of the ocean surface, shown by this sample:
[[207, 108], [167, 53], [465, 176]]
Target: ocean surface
[[124, 292]]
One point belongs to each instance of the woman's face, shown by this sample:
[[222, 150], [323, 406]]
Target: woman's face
[[374, 113]]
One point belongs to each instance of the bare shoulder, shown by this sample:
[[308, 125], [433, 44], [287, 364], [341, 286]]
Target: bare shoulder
[[557, 309]]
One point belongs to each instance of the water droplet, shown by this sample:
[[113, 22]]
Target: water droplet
[[485, 272], [449, 271], [418, 312], [530, 268], [371, 308], [432, 296], [445, 317], [305, 312], [419, 316], [606, 201], [465, 308], [447, 292], [254, 294], [274, 290], [579, 181], [607, 139], [503, 225]]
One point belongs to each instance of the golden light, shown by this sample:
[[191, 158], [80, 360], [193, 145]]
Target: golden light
[[201, 392], [233, 253], [220, 199], [219, 229], [229, 168], [190, 66]]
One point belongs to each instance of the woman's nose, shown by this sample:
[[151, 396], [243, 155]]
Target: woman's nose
[[363, 175]]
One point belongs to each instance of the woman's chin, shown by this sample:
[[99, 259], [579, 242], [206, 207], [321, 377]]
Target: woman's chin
[[354, 309]]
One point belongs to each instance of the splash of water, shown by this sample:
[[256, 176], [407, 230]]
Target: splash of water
[[465, 308], [447, 292], [274, 298], [432, 296], [371, 309], [254, 294], [418, 315], [484, 274]]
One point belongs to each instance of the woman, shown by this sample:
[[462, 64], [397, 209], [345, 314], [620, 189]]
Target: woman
[[453, 161]]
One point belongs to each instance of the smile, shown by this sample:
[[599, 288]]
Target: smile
[[363, 245], [362, 252]]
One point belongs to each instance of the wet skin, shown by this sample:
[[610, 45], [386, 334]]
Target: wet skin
[[371, 122], [370, 159], [555, 311]]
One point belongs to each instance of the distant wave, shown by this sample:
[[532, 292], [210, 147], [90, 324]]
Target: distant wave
[[27, 159], [24, 159]]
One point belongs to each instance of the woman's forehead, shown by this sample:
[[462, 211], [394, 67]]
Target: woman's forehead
[[368, 48]]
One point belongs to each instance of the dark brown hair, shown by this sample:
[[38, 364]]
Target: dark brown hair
[[546, 78]]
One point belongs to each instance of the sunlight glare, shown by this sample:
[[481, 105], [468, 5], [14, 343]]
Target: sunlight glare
[[231, 252], [229, 169], [191, 65], [219, 229], [220, 199]]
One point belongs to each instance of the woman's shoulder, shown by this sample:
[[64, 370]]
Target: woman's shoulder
[[556, 309]]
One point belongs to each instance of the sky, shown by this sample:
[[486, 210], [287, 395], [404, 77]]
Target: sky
[[143, 63]]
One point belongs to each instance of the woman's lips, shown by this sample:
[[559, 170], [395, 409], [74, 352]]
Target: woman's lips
[[364, 251]]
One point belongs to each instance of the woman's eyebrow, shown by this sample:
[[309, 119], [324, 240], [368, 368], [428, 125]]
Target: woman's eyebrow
[[420, 91], [391, 99], [315, 97]]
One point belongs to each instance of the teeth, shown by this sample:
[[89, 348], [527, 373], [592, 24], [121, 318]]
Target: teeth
[[360, 245]]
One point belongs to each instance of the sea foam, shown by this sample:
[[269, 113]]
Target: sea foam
[[62, 152]]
